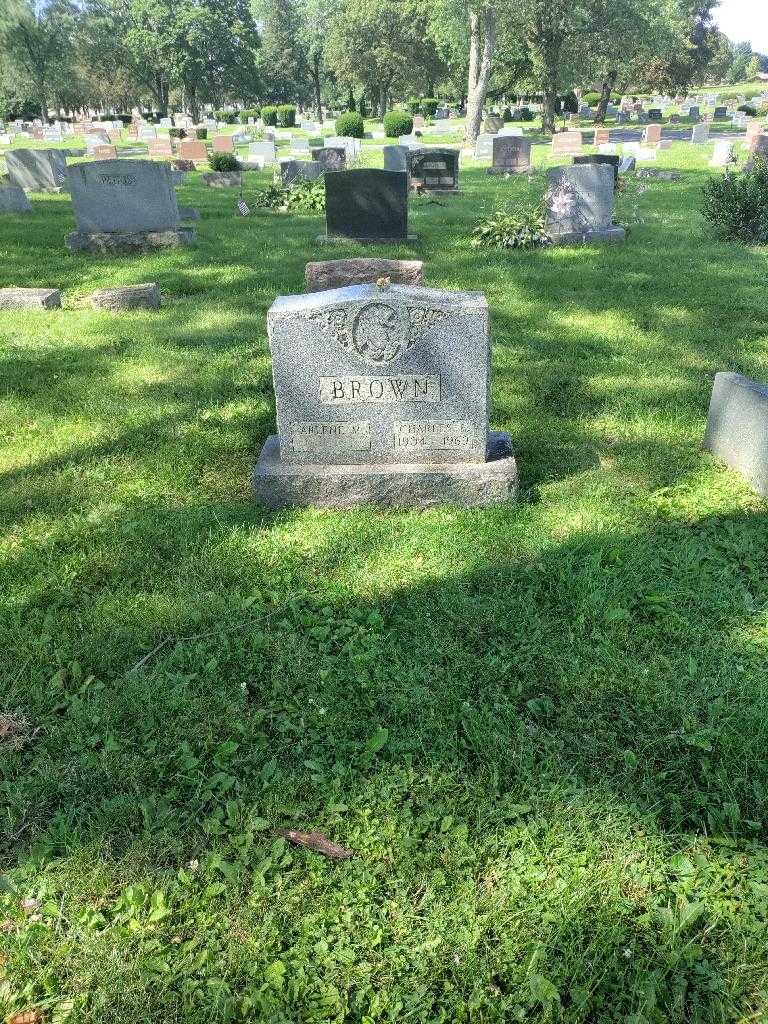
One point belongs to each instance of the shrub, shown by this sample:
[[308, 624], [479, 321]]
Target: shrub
[[748, 109], [201, 133], [736, 204], [521, 228], [397, 122], [351, 124], [226, 116], [224, 162], [177, 133], [570, 103], [248, 112], [269, 116], [526, 114], [428, 106], [591, 98], [414, 106], [506, 115], [286, 115], [300, 197]]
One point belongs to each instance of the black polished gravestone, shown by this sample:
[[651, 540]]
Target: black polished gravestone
[[434, 169], [368, 205], [601, 158]]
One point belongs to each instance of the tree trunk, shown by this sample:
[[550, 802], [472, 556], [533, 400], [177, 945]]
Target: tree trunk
[[350, 99], [548, 107], [383, 99], [605, 96], [482, 36], [43, 101], [192, 104], [316, 86]]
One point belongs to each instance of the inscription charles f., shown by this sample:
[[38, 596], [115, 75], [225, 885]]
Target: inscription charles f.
[[378, 332]]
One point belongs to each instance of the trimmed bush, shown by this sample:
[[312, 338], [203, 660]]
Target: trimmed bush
[[286, 115], [201, 133], [737, 204], [350, 124], [428, 106], [227, 116], [748, 109], [248, 112], [269, 116], [177, 133], [591, 98], [570, 103], [414, 106], [396, 123], [506, 115], [224, 162], [526, 114]]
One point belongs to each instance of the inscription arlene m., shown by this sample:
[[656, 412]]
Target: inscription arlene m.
[[379, 390], [330, 436]]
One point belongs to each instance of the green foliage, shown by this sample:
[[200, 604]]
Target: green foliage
[[201, 133], [506, 115], [526, 114], [521, 227], [591, 98], [396, 123], [748, 109], [300, 197], [414, 106], [570, 103], [350, 124], [248, 112], [428, 106], [223, 162], [286, 115], [269, 116], [225, 116], [177, 133], [736, 203]]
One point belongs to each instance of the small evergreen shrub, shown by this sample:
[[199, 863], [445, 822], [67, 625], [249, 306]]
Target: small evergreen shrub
[[526, 114], [396, 123], [414, 106], [224, 162], [428, 106], [269, 116], [570, 103], [591, 98], [177, 133], [248, 112], [520, 228], [286, 115], [351, 124], [362, 108], [506, 115], [201, 133], [226, 116], [736, 204], [748, 109]]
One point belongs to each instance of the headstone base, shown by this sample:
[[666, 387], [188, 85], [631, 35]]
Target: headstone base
[[277, 484], [337, 239], [30, 298], [132, 296], [128, 241], [500, 171], [612, 234]]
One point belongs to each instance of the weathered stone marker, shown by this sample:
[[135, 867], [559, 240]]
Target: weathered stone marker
[[579, 203], [567, 144], [333, 158], [435, 169], [300, 170], [601, 158], [511, 155], [14, 200], [30, 298], [325, 274], [367, 205], [125, 206], [37, 170], [737, 427], [382, 397]]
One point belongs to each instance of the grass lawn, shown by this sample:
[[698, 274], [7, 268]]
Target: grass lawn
[[542, 728]]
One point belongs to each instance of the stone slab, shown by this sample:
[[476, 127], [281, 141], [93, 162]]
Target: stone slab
[[30, 298], [37, 170], [367, 204], [132, 296], [117, 196], [13, 199], [737, 427], [223, 179], [326, 274], [613, 234], [128, 241], [277, 484]]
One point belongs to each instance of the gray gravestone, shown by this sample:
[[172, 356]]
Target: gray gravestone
[[579, 203], [601, 158], [720, 114], [114, 195], [13, 199], [382, 396], [434, 169], [484, 146], [700, 134], [511, 155], [333, 158], [737, 427], [655, 114], [300, 170], [37, 170], [366, 204], [396, 158], [30, 298], [693, 114], [265, 150]]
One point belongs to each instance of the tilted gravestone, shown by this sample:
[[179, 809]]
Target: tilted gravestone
[[333, 158], [37, 170], [435, 169], [382, 396], [511, 155], [737, 427], [14, 200], [566, 144], [579, 203], [366, 204], [124, 206], [601, 158]]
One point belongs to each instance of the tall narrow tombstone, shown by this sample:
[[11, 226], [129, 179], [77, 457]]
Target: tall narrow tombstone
[[737, 427], [484, 146], [579, 203], [122, 205], [510, 155], [382, 397], [368, 205], [37, 170], [566, 144]]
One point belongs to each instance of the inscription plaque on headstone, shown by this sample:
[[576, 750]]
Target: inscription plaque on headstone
[[382, 395], [434, 169], [333, 158], [511, 155]]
